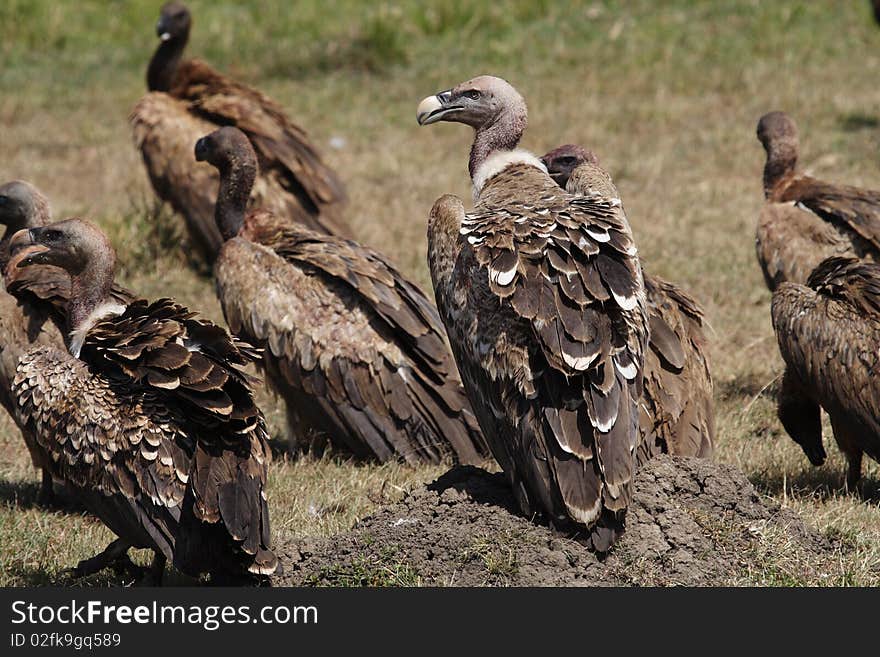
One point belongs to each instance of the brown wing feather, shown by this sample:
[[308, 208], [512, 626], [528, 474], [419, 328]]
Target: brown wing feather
[[790, 242], [165, 132], [855, 210], [828, 334], [354, 347], [314, 195], [677, 413]]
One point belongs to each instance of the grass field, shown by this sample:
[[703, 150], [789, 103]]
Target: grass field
[[667, 92]]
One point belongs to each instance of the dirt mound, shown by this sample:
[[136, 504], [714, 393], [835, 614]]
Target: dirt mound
[[692, 522]]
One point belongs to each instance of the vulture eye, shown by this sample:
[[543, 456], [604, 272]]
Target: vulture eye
[[473, 94], [52, 235]]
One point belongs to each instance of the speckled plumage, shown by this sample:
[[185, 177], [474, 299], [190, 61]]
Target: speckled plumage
[[677, 413], [543, 301], [155, 429]]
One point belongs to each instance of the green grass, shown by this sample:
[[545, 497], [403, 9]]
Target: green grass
[[667, 93]]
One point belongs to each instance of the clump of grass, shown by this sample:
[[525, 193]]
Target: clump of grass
[[497, 554], [376, 569]]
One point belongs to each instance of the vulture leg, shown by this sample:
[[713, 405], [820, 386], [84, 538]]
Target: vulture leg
[[114, 555], [800, 416], [46, 496], [297, 442], [846, 436], [153, 575]]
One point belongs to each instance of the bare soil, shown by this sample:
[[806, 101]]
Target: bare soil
[[692, 522]]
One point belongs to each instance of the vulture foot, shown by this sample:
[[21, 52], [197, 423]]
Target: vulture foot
[[114, 556]]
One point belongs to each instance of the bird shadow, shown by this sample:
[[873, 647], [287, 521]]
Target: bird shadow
[[746, 386], [25, 495], [856, 121], [824, 483], [480, 485], [35, 576]]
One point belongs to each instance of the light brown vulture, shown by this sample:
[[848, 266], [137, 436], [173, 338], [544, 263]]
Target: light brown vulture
[[24, 324], [828, 332], [147, 418], [677, 414], [354, 348], [188, 99], [804, 220], [542, 297]]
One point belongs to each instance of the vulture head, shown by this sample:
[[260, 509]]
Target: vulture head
[[230, 151], [174, 22], [491, 106], [22, 206], [560, 162], [227, 148], [479, 103], [778, 134], [75, 245]]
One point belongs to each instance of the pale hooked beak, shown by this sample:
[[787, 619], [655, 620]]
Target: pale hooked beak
[[21, 240], [23, 251], [434, 108]]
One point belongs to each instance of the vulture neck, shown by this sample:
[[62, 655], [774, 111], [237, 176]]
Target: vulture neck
[[502, 134], [90, 298], [163, 65], [781, 161], [236, 182]]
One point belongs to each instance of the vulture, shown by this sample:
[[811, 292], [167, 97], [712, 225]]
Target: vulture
[[805, 221], [147, 417], [188, 99], [354, 348], [828, 332], [24, 324], [542, 297], [677, 414]]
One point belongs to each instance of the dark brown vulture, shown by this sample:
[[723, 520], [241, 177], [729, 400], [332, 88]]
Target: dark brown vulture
[[542, 297], [23, 323], [804, 220], [354, 348], [189, 99], [148, 418], [677, 414], [828, 332]]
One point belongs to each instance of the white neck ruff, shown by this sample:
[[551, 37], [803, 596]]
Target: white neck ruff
[[78, 335], [498, 162]]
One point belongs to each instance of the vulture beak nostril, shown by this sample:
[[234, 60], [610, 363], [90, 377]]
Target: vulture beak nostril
[[433, 108], [445, 96]]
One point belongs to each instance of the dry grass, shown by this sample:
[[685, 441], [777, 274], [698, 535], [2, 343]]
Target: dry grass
[[668, 94]]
